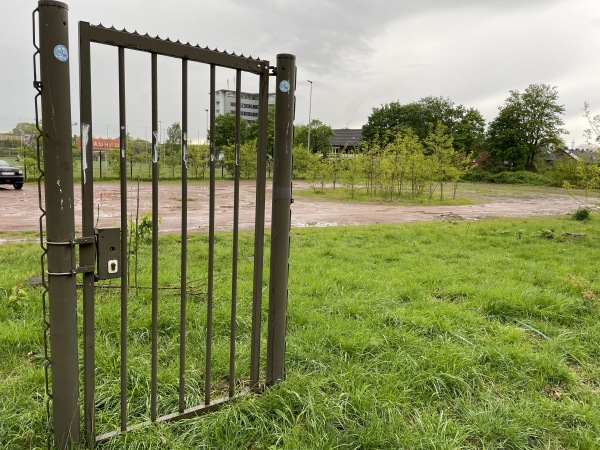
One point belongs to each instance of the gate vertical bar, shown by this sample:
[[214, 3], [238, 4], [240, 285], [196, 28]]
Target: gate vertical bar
[[154, 357], [281, 216], [60, 218], [259, 228], [184, 225], [211, 238], [236, 219], [87, 255], [124, 271]]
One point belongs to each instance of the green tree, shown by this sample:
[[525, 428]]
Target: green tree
[[507, 140], [320, 170], [225, 130], [442, 159], [251, 132], [23, 128], [27, 147], [247, 159], [319, 136], [399, 152], [526, 122], [300, 162], [385, 122], [248, 156], [465, 125], [351, 173], [198, 155], [469, 133], [593, 132], [172, 147]]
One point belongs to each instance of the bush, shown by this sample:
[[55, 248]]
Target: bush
[[581, 214], [517, 177], [475, 176], [522, 177]]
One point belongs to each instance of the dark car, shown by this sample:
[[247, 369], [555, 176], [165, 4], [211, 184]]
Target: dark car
[[11, 175]]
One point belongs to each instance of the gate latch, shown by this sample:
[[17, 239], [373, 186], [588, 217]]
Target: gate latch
[[108, 256]]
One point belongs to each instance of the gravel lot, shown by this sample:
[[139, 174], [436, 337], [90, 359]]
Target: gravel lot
[[20, 212]]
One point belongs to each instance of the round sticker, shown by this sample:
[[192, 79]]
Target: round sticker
[[61, 53], [284, 86]]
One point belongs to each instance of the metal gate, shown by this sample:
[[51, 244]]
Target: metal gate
[[103, 252]]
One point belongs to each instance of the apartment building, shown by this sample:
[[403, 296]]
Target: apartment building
[[225, 104]]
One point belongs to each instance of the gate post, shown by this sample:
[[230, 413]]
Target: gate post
[[281, 216], [60, 219]]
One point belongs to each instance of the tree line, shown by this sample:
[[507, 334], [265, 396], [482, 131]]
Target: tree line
[[409, 148], [526, 123]]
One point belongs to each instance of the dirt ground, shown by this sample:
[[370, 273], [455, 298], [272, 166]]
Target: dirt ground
[[19, 208]]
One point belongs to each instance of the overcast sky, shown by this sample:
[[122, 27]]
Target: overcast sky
[[359, 54]]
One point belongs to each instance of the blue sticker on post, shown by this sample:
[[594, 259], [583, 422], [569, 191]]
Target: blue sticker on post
[[284, 86], [61, 53]]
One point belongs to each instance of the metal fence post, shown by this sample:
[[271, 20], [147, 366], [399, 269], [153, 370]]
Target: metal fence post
[[280, 222], [60, 218]]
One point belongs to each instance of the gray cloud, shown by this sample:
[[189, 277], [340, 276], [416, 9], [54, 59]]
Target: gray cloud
[[359, 54]]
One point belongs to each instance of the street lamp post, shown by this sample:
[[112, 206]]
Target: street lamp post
[[309, 112]]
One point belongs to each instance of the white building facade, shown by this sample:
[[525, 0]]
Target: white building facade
[[225, 104]]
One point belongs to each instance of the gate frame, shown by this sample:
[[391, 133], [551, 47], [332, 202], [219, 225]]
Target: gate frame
[[60, 218]]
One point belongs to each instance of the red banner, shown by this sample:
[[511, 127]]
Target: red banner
[[102, 144]]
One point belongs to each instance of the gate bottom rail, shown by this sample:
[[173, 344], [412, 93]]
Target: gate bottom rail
[[189, 413]]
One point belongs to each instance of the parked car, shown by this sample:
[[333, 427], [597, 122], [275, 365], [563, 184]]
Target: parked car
[[11, 175]]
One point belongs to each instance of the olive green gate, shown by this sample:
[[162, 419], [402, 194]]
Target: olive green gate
[[103, 252]]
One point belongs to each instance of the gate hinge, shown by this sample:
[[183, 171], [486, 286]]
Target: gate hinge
[[74, 269], [85, 241], [273, 71]]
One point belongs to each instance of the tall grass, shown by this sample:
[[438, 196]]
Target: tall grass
[[436, 335]]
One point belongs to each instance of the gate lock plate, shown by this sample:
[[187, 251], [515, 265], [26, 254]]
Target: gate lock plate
[[108, 246]]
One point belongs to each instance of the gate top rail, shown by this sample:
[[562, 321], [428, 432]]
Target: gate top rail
[[123, 38]]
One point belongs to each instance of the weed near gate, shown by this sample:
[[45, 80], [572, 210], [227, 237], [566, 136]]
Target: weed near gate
[[433, 335]]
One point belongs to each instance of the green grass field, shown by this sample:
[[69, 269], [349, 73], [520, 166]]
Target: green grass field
[[445, 335]]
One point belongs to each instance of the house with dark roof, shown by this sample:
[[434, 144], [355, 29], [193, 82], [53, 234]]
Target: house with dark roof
[[345, 140], [588, 156]]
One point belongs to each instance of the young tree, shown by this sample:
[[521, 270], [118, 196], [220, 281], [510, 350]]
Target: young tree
[[228, 161], [442, 158], [527, 121], [300, 162], [172, 147], [198, 155], [248, 161], [593, 132], [351, 173]]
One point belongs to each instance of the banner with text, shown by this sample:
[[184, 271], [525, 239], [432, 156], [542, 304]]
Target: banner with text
[[102, 144]]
